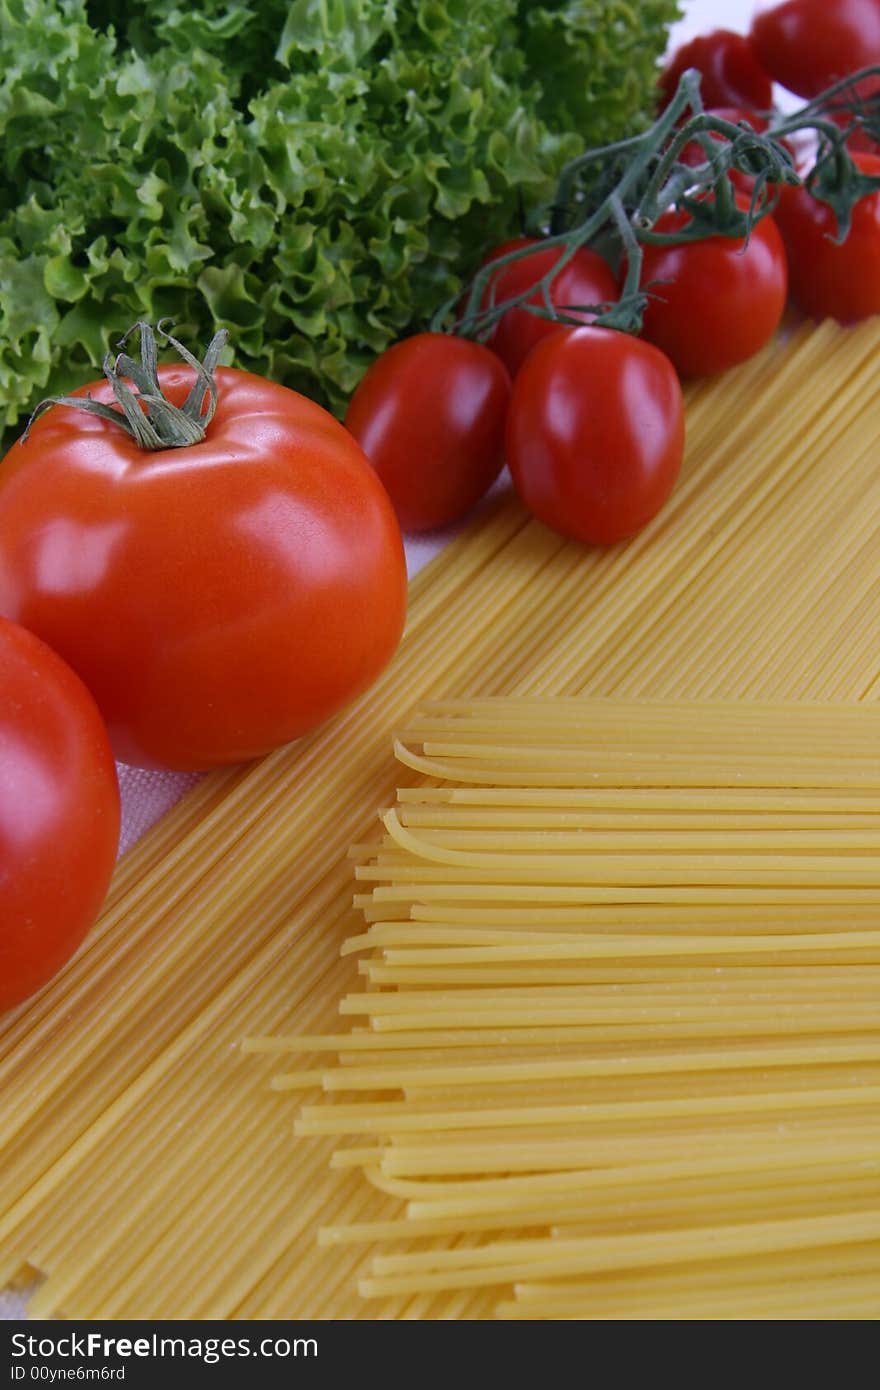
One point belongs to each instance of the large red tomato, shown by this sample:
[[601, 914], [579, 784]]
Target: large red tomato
[[809, 44], [217, 599], [429, 415], [585, 279], [730, 73], [59, 813], [714, 302], [827, 280], [595, 433]]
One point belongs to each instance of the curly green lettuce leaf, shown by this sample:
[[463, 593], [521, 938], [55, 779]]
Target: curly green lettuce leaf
[[315, 177]]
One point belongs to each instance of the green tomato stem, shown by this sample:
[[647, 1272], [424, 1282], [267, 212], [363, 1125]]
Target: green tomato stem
[[644, 177], [146, 414]]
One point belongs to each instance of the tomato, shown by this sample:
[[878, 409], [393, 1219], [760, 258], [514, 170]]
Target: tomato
[[693, 153], [730, 71], [860, 141], [59, 813], [830, 281], [217, 599], [585, 279], [720, 301], [429, 414], [595, 433], [808, 44]]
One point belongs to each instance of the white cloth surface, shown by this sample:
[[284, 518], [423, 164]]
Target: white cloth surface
[[148, 795]]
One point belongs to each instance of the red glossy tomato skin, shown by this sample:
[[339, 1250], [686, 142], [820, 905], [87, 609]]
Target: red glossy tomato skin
[[585, 279], [806, 45], [217, 600], [859, 142], [595, 433], [429, 415], [59, 813], [719, 303], [729, 67], [829, 281]]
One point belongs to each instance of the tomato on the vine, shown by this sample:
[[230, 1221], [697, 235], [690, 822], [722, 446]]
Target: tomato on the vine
[[730, 71], [806, 45], [830, 280], [693, 153], [429, 415], [218, 599], [859, 141], [714, 302], [595, 433], [59, 813], [586, 279]]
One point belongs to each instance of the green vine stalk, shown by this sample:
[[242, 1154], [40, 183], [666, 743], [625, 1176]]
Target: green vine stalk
[[612, 197]]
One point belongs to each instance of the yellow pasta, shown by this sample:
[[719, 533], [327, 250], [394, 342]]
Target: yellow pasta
[[149, 1169], [705, 1111]]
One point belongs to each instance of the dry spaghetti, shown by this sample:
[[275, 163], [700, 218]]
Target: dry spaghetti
[[147, 1165], [683, 1111]]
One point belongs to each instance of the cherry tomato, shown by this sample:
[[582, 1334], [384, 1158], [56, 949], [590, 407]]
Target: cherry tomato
[[59, 813], [595, 433], [719, 301], [585, 279], [808, 44], [830, 281], [730, 71], [429, 415], [860, 141], [693, 153], [219, 599]]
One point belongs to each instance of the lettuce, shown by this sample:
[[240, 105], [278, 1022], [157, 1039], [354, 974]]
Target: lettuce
[[317, 175]]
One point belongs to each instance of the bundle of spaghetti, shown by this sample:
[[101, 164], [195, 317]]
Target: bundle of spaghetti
[[592, 1093], [146, 1164]]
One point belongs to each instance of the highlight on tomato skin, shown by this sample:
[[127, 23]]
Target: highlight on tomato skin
[[714, 303], [59, 813], [830, 280], [429, 415], [730, 70], [807, 45], [595, 433], [218, 600], [587, 278]]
